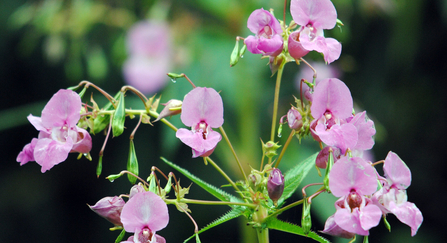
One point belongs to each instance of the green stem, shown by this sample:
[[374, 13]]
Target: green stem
[[225, 175], [263, 235], [289, 139], [275, 102], [205, 202], [233, 151], [285, 208]]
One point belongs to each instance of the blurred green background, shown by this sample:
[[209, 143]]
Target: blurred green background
[[393, 60]]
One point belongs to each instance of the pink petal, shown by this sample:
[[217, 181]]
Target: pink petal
[[83, 143], [366, 131], [145, 209], [320, 13], [352, 174], [252, 44], [146, 73], [331, 228], [202, 104], [350, 221], [150, 38], [397, 171], [27, 154], [343, 137], [260, 18], [332, 50], [408, 214], [196, 142], [370, 216], [333, 95], [36, 122], [272, 46], [63, 109], [49, 153], [296, 50]]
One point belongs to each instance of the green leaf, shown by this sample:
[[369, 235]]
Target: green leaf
[[132, 163], [119, 117], [293, 177], [232, 214], [218, 193], [277, 224]]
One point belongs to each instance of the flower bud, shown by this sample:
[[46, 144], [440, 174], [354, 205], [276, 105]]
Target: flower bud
[[275, 185], [172, 107], [294, 119], [109, 208], [270, 148]]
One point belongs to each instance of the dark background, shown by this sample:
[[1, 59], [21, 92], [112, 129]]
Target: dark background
[[393, 61]]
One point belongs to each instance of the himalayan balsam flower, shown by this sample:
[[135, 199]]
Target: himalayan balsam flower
[[314, 16], [58, 134], [352, 179], [332, 104], [392, 198], [145, 214], [109, 208], [149, 48], [267, 40], [202, 110]]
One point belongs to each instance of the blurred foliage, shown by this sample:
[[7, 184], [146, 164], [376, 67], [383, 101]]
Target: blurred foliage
[[392, 60]]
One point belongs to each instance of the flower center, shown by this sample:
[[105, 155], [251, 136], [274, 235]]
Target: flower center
[[266, 32], [354, 199], [145, 235], [203, 128], [330, 121], [312, 32]]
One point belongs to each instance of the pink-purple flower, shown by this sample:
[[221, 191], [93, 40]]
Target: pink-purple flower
[[202, 110], [145, 214], [149, 48], [392, 197], [352, 179], [58, 134], [267, 39], [314, 16], [331, 105]]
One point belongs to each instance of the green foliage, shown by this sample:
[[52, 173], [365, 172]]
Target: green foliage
[[277, 224], [218, 193], [232, 214], [295, 176], [120, 236], [132, 163]]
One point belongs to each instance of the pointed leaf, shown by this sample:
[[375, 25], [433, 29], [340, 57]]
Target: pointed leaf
[[232, 214], [277, 224], [293, 177], [218, 193]]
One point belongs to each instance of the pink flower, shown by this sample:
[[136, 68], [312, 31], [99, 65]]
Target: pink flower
[[331, 105], [145, 214], [352, 179], [109, 208], [314, 16], [149, 48], [267, 40], [323, 72], [58, 134], [392, 198], [202, 110]]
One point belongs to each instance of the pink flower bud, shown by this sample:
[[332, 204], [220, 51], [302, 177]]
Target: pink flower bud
[[109, 208], [275, 184], [294, 119]]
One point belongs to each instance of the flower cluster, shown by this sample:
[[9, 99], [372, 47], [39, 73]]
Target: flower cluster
[[58, 133], [143, 214], [312, 16]]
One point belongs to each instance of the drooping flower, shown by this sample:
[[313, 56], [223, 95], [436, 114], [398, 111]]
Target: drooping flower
[[267, 39], [331, 105], [314, 16], [145, 214], [109, 208], [149, 47], [352, 179], [294, 119], [58, 134], [392, 197], [202, 110]]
